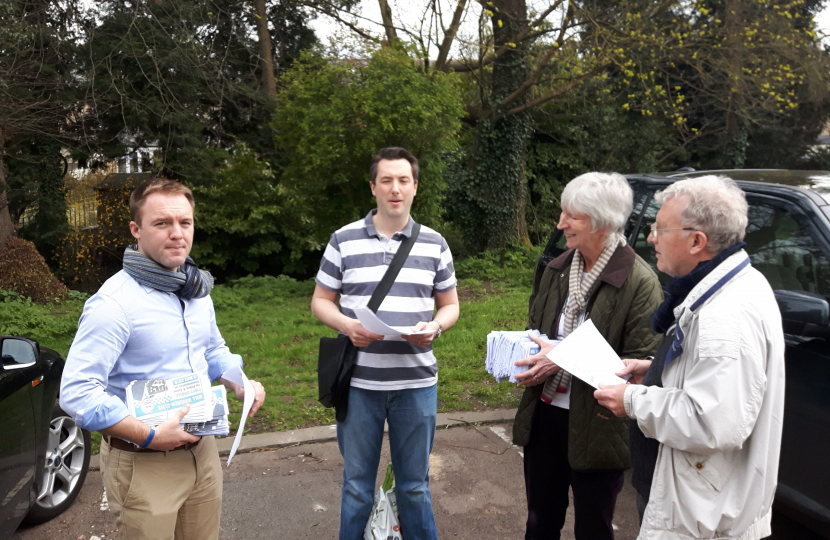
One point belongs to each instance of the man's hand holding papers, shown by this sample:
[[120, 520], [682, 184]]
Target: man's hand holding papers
[[239, 390], [170, 435], [636, 369], [360, 336], [423, 334], [612, 397]]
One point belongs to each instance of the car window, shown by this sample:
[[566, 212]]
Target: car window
[[640, 242], [16, 352], [778, 242], [640, 199], [782, 248]]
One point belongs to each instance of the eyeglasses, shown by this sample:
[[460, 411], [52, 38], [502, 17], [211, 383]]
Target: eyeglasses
[[655, 230]]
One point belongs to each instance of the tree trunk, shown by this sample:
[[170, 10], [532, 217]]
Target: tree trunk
[[388, 24], [268, 79], [734, 139], [6, 225], [500, 191]]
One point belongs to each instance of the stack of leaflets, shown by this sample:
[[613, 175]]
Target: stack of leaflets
[[504, 348], [218, 425], [157, 400]]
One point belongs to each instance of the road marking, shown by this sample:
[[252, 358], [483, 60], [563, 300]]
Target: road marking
[[502, 434]]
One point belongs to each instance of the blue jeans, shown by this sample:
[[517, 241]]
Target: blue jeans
[[411, 418]]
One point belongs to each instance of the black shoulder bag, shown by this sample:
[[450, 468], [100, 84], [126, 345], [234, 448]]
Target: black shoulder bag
[[338, 356]]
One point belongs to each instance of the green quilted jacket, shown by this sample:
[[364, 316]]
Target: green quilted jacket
[[620, 306]]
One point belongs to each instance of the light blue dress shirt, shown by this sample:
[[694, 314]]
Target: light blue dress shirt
[[131, 332]]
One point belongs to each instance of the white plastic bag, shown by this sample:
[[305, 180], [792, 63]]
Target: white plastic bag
[[384, 523]]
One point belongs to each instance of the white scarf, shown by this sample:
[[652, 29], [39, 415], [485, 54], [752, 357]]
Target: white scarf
[[578, 290]]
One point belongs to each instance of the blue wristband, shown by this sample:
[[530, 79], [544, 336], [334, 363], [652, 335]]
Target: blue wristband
[[149, 438]]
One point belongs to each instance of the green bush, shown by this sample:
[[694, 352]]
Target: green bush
[[512, 266], [333, 115]]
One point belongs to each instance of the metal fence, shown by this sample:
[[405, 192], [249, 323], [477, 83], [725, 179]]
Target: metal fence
[[82, 213]]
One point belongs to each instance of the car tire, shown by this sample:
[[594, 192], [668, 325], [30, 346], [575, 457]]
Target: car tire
[[67, 461]]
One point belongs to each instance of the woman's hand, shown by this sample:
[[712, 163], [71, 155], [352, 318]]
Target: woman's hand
[[636, 368], [541, 369]]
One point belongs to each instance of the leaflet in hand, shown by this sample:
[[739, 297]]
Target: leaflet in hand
[[237, 376], [504, 348], [585, 354], [372, 323], [156, 400]]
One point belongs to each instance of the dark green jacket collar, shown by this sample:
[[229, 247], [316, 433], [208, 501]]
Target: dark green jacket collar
[[615, 272]]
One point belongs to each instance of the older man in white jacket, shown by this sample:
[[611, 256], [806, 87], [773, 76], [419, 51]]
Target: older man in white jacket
[[718, 415]]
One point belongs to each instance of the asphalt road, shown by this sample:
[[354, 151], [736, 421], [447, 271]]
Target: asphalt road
[[293, 493]]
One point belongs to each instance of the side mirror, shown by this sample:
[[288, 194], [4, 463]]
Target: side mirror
[[7, 360], [18, 352], [804, 313]]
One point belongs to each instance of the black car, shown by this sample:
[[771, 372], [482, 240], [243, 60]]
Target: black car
[[44, 456], [788, 240]]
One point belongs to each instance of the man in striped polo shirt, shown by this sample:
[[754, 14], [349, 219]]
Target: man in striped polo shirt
[[395, 378]]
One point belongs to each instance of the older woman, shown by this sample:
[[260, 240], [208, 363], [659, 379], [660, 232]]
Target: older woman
[[569, 439]]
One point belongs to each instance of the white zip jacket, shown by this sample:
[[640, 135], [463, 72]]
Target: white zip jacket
[[719, 414]]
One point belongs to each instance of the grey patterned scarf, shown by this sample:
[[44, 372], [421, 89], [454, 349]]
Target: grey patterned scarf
[[579, 289], [189, 283]]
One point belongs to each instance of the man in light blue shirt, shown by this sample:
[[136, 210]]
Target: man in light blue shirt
[[152, 320]]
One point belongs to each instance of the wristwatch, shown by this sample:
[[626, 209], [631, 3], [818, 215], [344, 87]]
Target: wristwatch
[[440, 328]]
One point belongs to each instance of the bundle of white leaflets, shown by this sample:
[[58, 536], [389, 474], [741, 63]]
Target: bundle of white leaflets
[[504, 348], [156, 400], [218, 425]]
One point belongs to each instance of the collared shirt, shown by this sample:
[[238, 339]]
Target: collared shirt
[[353, 264], [129, 332]]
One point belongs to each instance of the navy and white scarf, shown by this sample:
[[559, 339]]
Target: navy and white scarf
[[678, 288], [188, 283]]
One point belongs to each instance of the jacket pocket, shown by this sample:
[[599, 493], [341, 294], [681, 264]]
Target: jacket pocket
[[713, 469]]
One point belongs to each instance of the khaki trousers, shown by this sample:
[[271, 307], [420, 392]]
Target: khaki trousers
[[164, 495]]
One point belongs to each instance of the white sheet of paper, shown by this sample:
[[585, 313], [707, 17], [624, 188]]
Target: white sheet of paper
[[237, 376], [372, 323], [586, 354]]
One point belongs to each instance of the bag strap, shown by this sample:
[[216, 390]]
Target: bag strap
[[394, 268]]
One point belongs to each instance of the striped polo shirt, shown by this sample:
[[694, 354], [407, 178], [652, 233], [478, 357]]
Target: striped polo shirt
[[353, 264]]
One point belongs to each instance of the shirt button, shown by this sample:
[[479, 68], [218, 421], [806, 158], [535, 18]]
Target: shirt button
[[698, 465]]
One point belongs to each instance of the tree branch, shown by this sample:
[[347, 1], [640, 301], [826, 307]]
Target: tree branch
[[449, 34], [353, 27], [533, 79], [461, 66], [559, 91]]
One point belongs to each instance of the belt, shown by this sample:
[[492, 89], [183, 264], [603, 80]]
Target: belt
[[121, 444]]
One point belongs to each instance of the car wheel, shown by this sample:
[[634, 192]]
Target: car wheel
[[67, 461]]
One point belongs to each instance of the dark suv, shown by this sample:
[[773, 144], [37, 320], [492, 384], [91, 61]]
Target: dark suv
[[788, 240]]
